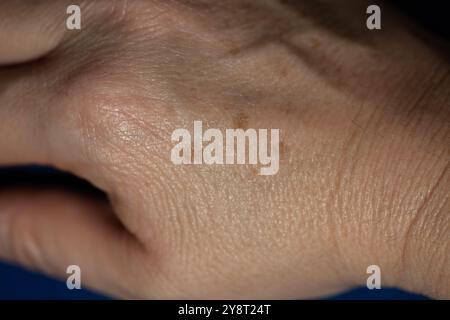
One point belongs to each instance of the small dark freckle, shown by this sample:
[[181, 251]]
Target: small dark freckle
[[314, 43], [288, 109], [283, 150], [254, 170], [241, 121], [234, 51]]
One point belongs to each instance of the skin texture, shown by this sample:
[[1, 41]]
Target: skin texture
[[364, 159]]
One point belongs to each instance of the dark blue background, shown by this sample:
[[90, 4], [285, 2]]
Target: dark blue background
[[17, 283]]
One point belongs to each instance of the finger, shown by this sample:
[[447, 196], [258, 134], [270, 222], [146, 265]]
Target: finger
[[39, 119], [48, 231], [30, 29]]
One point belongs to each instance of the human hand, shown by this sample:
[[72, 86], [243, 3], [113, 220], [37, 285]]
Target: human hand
[[363, 176]]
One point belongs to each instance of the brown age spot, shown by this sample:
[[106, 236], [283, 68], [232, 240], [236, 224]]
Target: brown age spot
[[284, 72], [314, 42], [234, 47], [283, 149], [234, 51], [241, 121], [254, 170]]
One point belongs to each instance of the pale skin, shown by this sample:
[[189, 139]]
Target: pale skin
[[364, 158]]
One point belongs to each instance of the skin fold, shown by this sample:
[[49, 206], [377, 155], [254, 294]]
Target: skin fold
[[364, 147]]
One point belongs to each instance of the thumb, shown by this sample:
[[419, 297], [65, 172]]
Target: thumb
[[50, 230]]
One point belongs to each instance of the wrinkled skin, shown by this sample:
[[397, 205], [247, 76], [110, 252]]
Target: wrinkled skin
[[364, 121]]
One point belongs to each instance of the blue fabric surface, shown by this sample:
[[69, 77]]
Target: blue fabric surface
[[17, 283]]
